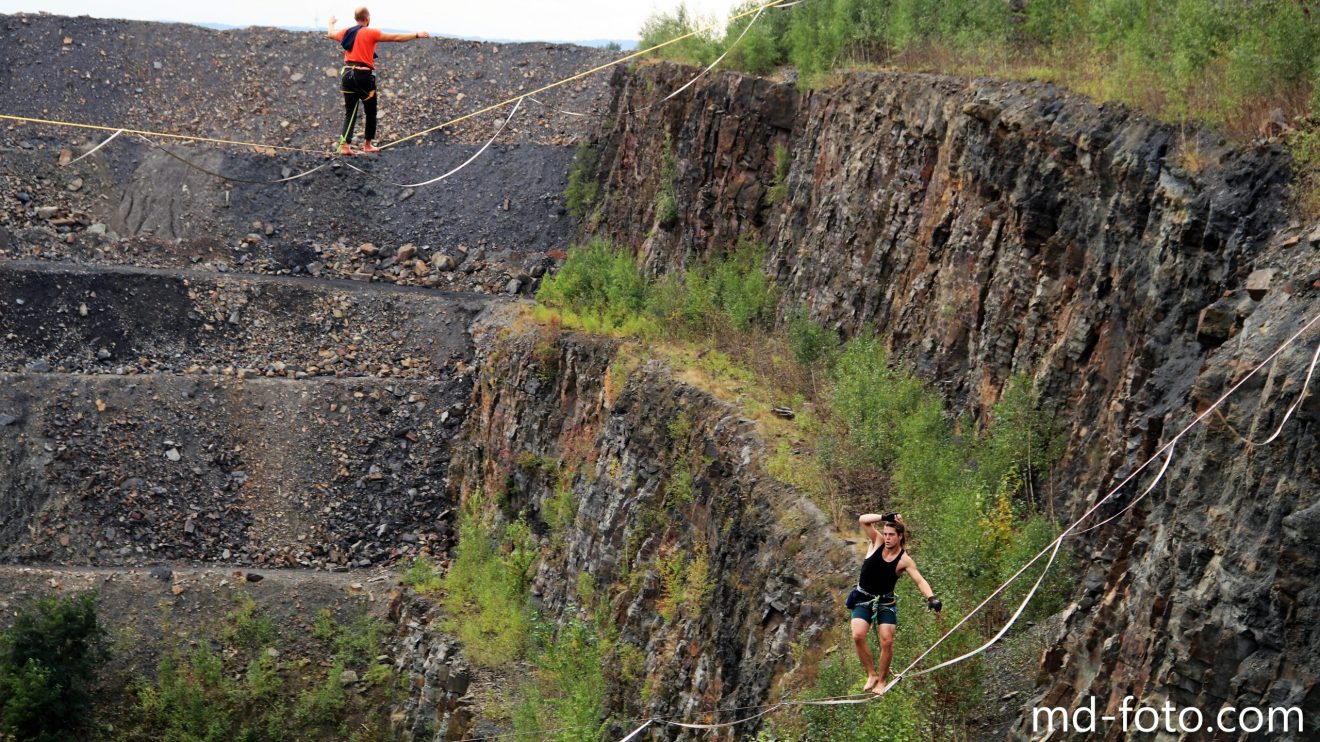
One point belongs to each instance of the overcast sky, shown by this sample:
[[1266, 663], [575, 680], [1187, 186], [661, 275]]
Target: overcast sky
[[541, 20]]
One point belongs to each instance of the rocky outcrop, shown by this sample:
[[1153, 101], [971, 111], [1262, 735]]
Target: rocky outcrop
[[988, 229], [707, 567], [436, 705]]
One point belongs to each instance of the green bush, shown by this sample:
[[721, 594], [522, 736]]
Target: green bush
[[810, 342], [355, 644], [49, 659], [1213, 61], [583, 183], [1020, 436], [698, 48], [486, 587], [607, 285], [599, 281], [565, 700], [194, 699], [422, 576], [248, 626], [728, 290], [763, 47], [778, 189]]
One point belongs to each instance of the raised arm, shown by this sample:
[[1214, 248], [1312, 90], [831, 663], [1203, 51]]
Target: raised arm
[[404, 36], [331, 33], [867, 522]]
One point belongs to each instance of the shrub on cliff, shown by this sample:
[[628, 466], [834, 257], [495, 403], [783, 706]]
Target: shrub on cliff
[[486, 586], [48, 662], [699, 48]]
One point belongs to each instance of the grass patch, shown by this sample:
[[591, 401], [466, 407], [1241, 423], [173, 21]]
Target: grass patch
[[486, 587], [421, 575]]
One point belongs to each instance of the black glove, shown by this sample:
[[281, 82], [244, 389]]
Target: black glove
[[933, 603], [889, 518]]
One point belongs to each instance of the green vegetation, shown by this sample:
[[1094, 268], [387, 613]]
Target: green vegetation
[[778, 190], [249, 689], [422, 576], [564, 701], [602, 289], [486, 587], [248, 627], [583, 185], [897, 719], [666, 199], [49, 659], [488, 607]]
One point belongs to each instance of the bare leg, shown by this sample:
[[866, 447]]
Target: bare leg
[[886, 633], [860, 628]]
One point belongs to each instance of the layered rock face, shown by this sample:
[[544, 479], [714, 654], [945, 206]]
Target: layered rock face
[[987, 229], [709, 569]]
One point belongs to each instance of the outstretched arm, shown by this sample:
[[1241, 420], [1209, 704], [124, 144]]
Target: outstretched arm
[[331, 33], [404, 36], [910, 567], [922, 585]]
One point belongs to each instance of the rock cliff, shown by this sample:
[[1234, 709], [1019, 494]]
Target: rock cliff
[[1134, 271], [667, 481]]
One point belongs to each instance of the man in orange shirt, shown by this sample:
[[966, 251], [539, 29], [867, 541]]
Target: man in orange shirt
[[358, 78]]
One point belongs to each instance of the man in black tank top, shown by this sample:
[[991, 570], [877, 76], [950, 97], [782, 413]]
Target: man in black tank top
[[873, 601]]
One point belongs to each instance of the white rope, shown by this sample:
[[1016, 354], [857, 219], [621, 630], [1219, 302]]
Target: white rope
[[543, 104], [93, 149], [699, 74], [1167, 458], [1003, 630], [637, 731], [712, 65], [1300, 397], [451, 172], [721, 725]]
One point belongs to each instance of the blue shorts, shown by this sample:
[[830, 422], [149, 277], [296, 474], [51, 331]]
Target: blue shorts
[[886, 613]]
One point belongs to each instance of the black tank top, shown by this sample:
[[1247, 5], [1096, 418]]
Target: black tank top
[[879, 576]]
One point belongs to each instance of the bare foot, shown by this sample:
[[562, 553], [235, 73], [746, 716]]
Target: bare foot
[[878, 688], [369, 148], [346, 150], [870, 682]]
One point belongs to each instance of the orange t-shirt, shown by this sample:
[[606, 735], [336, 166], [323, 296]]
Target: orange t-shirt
[[364, 46]]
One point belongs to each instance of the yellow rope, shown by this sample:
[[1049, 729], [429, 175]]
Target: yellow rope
[[451, 122], [30, 120]]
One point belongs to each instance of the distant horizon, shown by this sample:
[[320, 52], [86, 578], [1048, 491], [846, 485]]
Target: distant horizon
[[628, 44], [582, 22]]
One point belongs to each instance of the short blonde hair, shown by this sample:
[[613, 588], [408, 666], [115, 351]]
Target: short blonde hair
[[361, 14]]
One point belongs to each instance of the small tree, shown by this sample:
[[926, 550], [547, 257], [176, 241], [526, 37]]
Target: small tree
[[48, 661]]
